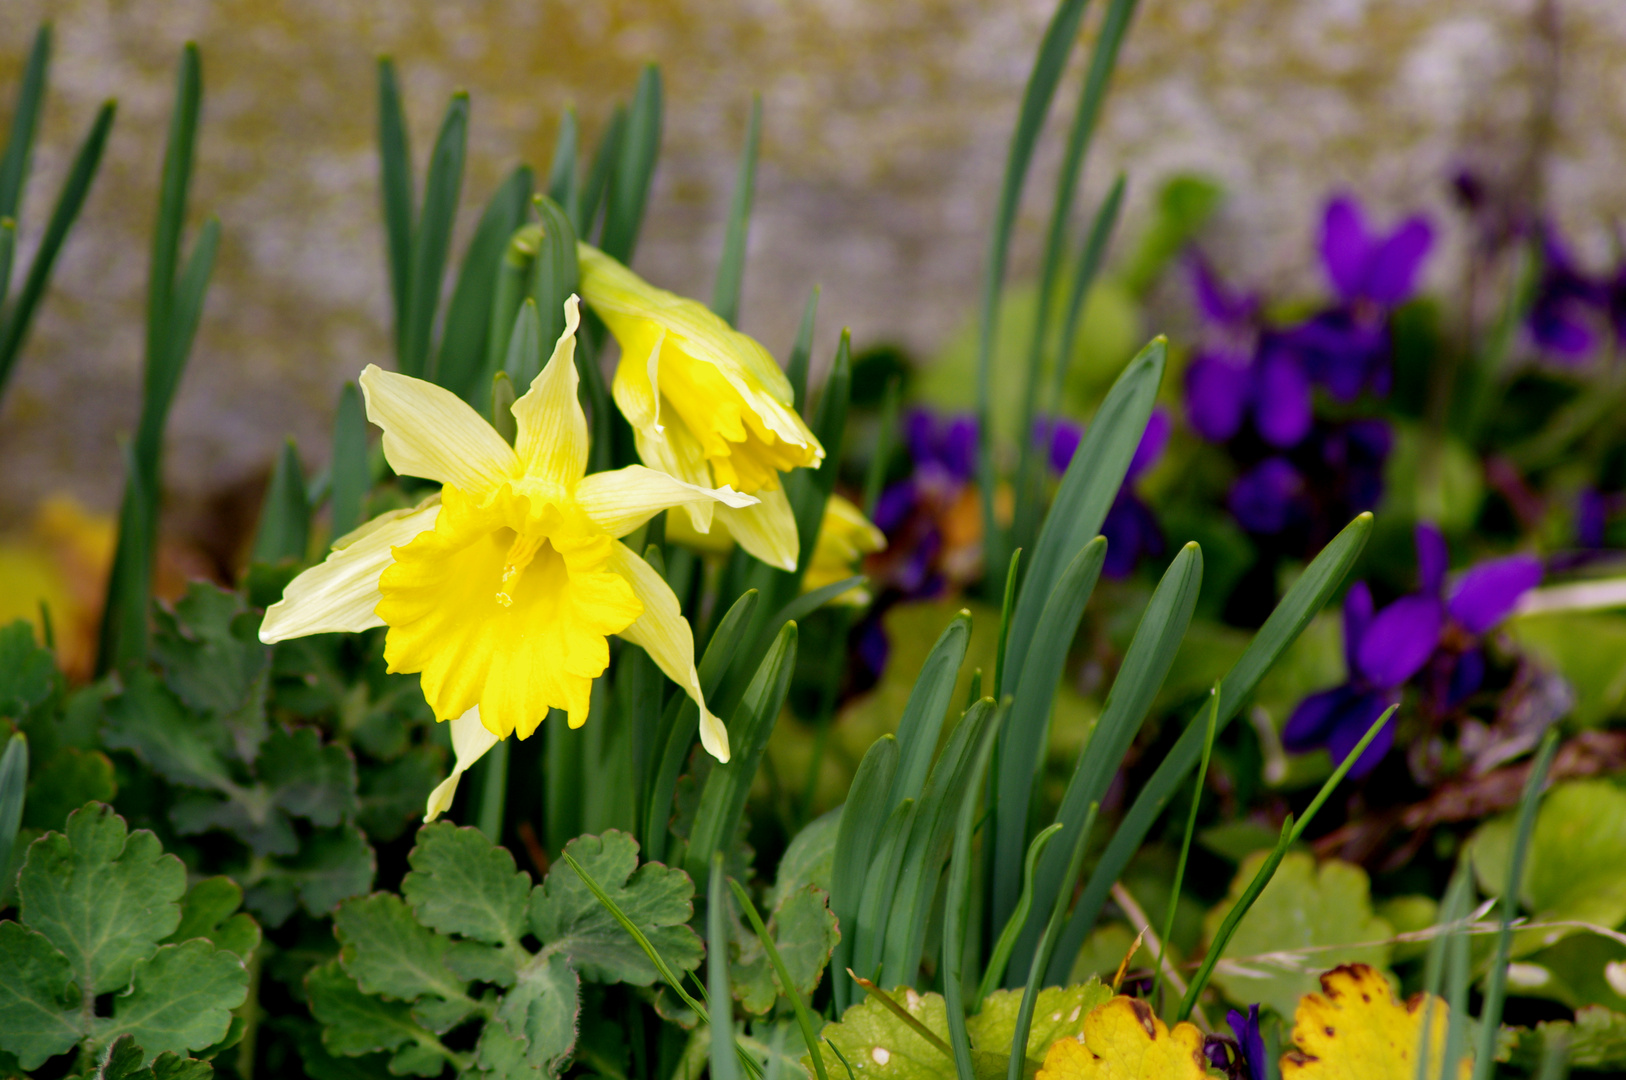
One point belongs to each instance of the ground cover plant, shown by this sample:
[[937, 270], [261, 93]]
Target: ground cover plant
[[1075, 706]]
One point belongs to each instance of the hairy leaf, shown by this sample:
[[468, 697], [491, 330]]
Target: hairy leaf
[[181, 999], [462, 883]]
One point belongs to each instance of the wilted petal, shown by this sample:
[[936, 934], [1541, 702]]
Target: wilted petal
[[1217, 392], [1281, 408], [663, 633], [1345, 246], [339, 594], [431, 432], [1483, 596], [1432, 559], [470, 741], [1392, 273], [1399, 640], [1352, 727]]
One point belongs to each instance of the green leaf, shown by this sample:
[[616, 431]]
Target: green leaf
[[543, 1011], [27, 672], [395, 183], [809, 859], [719, 919], [722, 801], [285, 519], [1058, 1014], [103, 896], [432, 237], [210, 652], [657, 899], [562, 185], [922, 721], [1312, 590], [209, 910], [1026, 730], [13, 791], [468, 314], [353, 1022], [1596, 1040], [331, 866], [1576, 867], [24, 123], [147, 720], [804, 932], [634, 168], [878, 1042], [862, 819], [801, 351], [308, 779], [385, 950], [725, 293], [501, 1056], [37, 1018], [350, 472], [181, 999], [1588, 649], [462, 883], [1303, 907], [555, 276]]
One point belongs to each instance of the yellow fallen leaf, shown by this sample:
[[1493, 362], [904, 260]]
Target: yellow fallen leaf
[[1356, 1030], [1124, 1040]]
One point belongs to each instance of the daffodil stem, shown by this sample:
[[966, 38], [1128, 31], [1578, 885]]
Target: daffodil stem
[[494, 791]]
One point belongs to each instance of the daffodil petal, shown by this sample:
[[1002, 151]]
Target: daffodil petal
[[431, 432], [470, 741], [766, 530], [552, 438], [339, 594], [620, 501], [663, 633]]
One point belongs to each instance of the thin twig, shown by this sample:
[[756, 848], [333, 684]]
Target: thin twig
[[1137, 915]]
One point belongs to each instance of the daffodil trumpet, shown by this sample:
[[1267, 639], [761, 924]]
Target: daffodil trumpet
[[706, 403], [502, 589]]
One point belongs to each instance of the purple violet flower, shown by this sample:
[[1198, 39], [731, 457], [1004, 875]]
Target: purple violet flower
[[1365, 266], [1248, 1038], [1564, 312], [1267, 498]]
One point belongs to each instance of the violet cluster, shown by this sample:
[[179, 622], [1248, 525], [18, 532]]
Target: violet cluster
[[1252, 386], [1131, 528], [1433, 636]]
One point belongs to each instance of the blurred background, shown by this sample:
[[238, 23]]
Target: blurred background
[[885, 128]]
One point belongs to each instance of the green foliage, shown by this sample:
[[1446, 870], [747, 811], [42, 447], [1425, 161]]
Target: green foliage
[[105, 912], [457, 949], [27, 672], [1595, 1040], [1305, 907]]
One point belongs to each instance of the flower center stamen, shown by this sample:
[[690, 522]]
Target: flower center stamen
[[520, 554]]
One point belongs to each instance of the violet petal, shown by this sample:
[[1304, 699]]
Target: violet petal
[[1217, 392], [1266, 498], [1152, 442], [1314, 719], [1399, 640], [1391, 274], [1345, 247], [1248, 1037], [1357, 616], [1484, 595], [1281, 409], [1352, 727], [1432, 559]]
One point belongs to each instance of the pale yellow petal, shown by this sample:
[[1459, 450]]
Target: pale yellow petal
[[431, 432], [664, 634], [470, 741], [676, 452], [766, 530], [620, 501], [552, 439], [340, 593]]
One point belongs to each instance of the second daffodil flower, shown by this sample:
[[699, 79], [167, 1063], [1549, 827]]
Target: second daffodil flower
[[706, 403], [501, 591]]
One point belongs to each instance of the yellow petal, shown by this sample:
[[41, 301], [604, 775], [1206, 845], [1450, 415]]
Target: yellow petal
[[340, 594], [766, 530], [552, 439], [470, 740], [715, 541], [845, 536], [539, 645], [664, 634], [1124, 1040], [620, 501], [1356, 1030], [431, 432]]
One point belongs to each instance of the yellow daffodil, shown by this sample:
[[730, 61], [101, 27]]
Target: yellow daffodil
[[502, 589], [706, 404]]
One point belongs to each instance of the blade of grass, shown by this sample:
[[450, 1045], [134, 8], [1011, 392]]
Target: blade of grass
[[599, 172], [70, 200], [1185, 842], [722, 800], [1291, 831], [801, 351], [13, 790], [1145, 665], [179, 155], [1306, 597], [1453, 910], [1048, 66], [524, 360], [880, 886], [1490, 1014], [461, 361], [804, 1019], [922, 721], [1023, 738], [841, 1058], [956, 918], [349, 471], [862, 819], [284, 531], [629, 180], [122, 636], [395, 191], [1006, 608], [8, 253], [724, 1063], [563, 187], [1103, 59], [555, 277], [1047, 948], [25, 123], [1089, 266], [432, 238], [163, 377], [508, 292], [725, 294], [1006, 941]]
